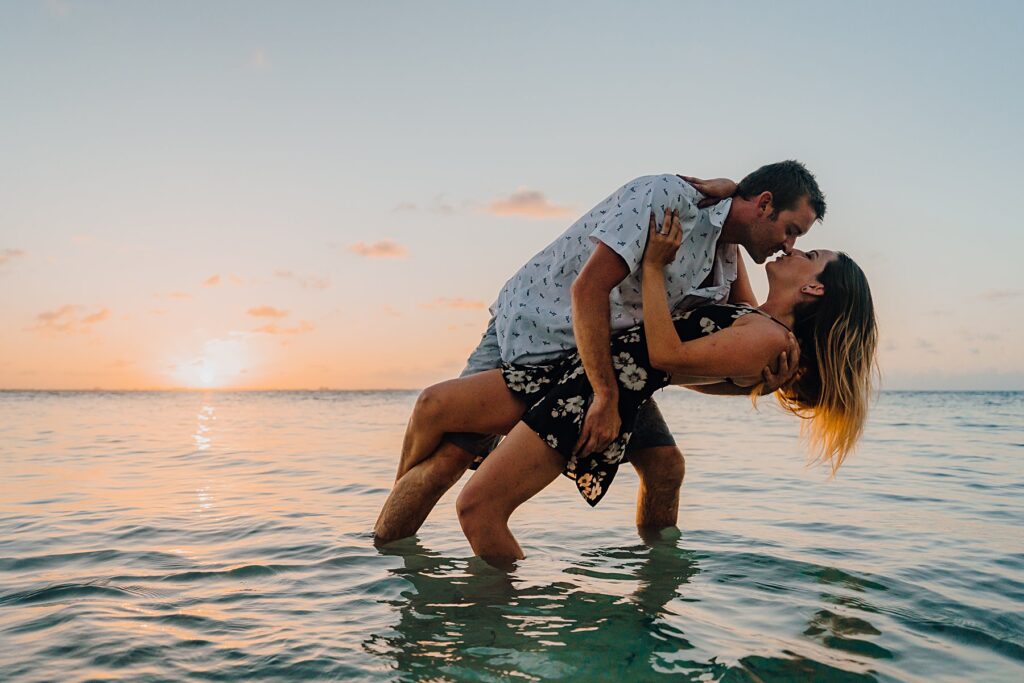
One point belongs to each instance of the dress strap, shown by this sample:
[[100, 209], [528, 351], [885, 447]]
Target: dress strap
[[769, 315]]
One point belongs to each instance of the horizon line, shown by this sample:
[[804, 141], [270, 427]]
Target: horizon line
[[224, 390]]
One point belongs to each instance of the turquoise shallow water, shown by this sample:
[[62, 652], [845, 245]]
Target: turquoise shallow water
[[225, 536]]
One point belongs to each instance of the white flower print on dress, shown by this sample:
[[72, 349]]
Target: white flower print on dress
[[533, 387], [707, 325], [576, 372], [572, 406], [633, 377], [632, 337], [622, 359], [516, 377], [552, 440], [613, 453], [740, 312]]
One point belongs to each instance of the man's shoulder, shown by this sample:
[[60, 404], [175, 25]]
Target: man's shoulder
[[665, 183], [659, 179]]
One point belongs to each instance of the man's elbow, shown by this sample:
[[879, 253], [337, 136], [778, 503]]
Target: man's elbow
[[585, 293]]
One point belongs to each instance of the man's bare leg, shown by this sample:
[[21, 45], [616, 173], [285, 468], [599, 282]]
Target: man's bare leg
[[476, 403], [661, 470], [429, 466], [418, 491]]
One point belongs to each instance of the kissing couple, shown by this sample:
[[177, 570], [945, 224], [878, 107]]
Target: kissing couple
[[645, 290]]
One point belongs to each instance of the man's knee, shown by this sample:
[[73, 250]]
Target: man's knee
[[661, 468], [429, 404]]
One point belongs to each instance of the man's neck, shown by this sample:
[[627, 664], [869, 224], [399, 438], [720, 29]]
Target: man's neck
[[737, 221]]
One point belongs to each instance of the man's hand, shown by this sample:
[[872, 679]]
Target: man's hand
[[600, 426], [788, 366], [714, 190]]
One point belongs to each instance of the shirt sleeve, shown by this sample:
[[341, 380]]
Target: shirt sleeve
[[623, 225]]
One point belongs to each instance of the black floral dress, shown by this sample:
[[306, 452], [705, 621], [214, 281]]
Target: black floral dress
[[558, 395]]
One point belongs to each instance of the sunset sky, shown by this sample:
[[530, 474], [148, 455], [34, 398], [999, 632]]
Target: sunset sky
[[325, 194]]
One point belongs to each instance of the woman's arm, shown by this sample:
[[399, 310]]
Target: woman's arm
[[742, 350], [661, 249], [741, 292]]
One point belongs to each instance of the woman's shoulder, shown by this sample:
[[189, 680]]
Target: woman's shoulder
[[767, 329], [725, 313]]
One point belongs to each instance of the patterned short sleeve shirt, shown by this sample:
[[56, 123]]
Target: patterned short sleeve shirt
[[533, 311]]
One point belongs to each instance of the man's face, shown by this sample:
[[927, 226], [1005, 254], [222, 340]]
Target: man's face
[[768, 237]]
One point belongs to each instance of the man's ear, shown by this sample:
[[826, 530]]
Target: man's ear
[[813, 289], [764, 203]]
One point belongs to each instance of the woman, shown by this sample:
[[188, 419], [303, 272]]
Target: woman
[[820, 296]]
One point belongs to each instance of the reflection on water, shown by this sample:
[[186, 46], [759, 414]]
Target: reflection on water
[[226, 537], [460, 619], [465, 620], [203, 437]]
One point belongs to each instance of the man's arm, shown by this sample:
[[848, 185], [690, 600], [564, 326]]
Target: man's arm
[[590, 319]]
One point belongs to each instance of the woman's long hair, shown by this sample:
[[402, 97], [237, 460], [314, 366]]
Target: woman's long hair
[[838, 336]]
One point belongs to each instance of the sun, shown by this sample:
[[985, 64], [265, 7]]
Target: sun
[[220, 363], [208, 374]]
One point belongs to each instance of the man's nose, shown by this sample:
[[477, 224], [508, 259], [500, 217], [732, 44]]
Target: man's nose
[[788, 245]]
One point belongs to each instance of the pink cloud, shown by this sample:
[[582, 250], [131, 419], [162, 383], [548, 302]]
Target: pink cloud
[[267, 312], [529, 204], [273, 328], [456, 304], [311, 282], [97, 317], [381, 249], [211, 281], [8, 255], [69, 319]]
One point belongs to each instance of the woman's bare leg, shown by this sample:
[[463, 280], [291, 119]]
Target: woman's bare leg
[[476, 403], [519, 468]]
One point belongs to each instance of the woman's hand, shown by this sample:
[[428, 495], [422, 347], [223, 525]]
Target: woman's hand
[[662, 243], [786, 370], [714, 190]]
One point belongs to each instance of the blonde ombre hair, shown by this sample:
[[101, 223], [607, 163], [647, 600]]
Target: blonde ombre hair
[[838, 337]]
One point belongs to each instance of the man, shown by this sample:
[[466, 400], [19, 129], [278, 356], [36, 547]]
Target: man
[[585, 285]]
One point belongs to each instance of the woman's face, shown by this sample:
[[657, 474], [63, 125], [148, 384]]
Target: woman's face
[[799, 267]]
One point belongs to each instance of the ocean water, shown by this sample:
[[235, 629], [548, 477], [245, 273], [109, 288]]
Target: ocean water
[[226, 536]]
